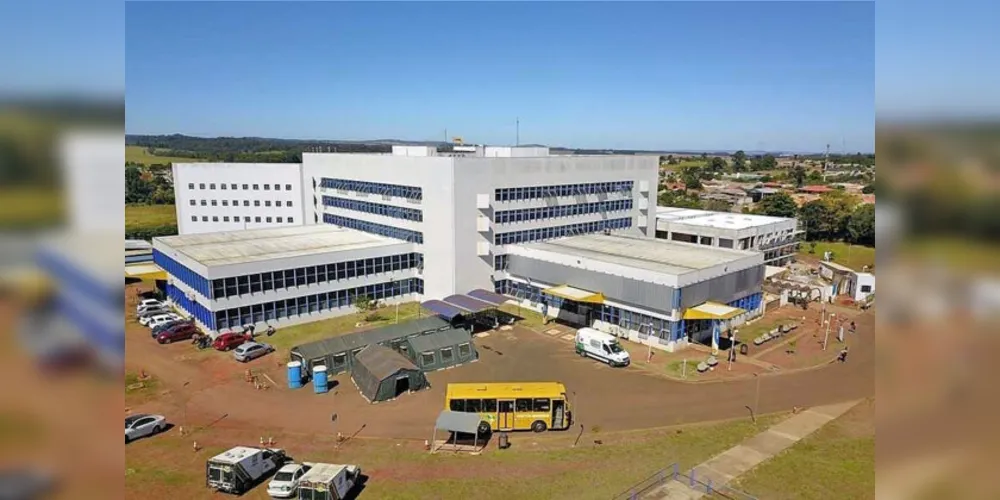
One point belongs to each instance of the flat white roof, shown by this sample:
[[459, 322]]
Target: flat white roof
[[240, 247], [322, 473], [660, 256], [234, 455], [722, 220]]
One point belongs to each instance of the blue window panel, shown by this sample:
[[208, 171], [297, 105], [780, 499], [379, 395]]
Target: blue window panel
[[190, 278], [409, 192], [371, 227], [560, 231], [560, 211], [192, 307], [374, 208]]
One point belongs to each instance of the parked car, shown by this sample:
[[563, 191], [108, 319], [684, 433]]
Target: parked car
[[228, 341], [147, 303], [141, 425], [150, 314], [251, 350], [173, 335], [170, 324], [285, 483], [163, 319], [150, 309]]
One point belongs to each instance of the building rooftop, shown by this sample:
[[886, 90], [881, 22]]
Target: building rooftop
[[724, 220], [239, 247], [642, 253]]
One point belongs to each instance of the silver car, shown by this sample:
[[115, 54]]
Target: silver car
[[251, 350], [141, 425]]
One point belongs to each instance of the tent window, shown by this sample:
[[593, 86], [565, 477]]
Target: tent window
[[457, 405], [427, 358], [489, 405], [473, 405], [522, 405], [866, 288], [464, 350], [340, 359], [446, 354], [542, 404]]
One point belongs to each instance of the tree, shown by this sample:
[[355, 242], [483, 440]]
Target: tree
[[716, 165], [366, 306], [799, 175], [136, 189], [679, 199], [766, 162], [819, 220], [717, 205], [739, 161], [778, 205], [861, 225], [814, 177], [691, 178]]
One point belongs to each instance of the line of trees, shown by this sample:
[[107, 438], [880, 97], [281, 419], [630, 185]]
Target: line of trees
[[148, 186], [834, 216]]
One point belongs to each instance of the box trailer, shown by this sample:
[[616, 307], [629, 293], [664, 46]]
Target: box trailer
[[243, 467], [329, 482]]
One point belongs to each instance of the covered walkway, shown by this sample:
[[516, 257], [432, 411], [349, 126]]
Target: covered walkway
[[476, 307]]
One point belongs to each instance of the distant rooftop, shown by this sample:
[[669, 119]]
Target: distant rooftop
[[643, 253], [239, 247], [706, 218]]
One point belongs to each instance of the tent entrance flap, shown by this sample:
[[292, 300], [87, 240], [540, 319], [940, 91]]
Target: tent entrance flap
[[713, 310], [575, 294]]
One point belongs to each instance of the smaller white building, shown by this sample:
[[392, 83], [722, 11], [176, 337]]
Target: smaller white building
[[776, 237], [846, 281]]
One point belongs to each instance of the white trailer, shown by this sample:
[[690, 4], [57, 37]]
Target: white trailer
[[243, 467], [328, 482]]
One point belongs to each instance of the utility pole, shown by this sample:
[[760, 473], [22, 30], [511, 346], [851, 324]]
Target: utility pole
[[517, 131]]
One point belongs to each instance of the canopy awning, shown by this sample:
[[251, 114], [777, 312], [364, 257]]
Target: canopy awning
[[147, 271], [713, 310], [488, 296], [456, 421], [468, 303], [575, 294], [443, 309]]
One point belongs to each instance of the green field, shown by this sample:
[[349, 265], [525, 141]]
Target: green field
[[144, 216], [838, 461], [138, 154], [31, 207], [852, 256], [291, 336]]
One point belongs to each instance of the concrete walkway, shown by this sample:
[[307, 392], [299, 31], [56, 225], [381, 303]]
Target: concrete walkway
[[739, 459]]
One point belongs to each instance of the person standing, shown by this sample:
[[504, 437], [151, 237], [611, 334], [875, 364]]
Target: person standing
[[840, 334]]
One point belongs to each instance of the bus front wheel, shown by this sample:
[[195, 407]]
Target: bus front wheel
[[484, 428], [538, 426]]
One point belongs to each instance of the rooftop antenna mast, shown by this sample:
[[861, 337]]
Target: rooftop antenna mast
[[517, 131], [826, 159]]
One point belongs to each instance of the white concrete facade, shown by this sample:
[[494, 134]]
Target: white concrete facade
[[213, 197], [776, 237]]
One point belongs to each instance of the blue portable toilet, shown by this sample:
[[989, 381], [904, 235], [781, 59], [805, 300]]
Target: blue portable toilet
[[319, 379], [295, 375]]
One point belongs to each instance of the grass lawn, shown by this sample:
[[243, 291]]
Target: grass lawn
[[852, 256], [136, 393], [535, 467], [140, 216], [291, 336], [24, 207], [138, 154], [838, 461], [529, 318]]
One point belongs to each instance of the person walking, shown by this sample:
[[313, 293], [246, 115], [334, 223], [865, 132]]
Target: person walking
[[843, 355], [853, 326]]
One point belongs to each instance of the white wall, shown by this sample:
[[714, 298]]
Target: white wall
[[282, 174]]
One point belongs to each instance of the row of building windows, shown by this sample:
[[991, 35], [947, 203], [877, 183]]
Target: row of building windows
[[374, 208], [236, 203], [526, 214], [371, 227], [500, 262], [545, 233], [317, 303], [528, 193], [246, 187], [277, 280], [409, 192], [246, 218]]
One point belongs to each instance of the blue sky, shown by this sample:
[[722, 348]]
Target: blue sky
[[743, 75]]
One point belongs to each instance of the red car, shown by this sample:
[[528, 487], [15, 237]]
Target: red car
[[174, 334], [227, 341]]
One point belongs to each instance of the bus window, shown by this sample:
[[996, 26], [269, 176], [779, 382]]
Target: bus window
[[457, 405], [473, 405], [489, 406], [542, 404], [522, 405]]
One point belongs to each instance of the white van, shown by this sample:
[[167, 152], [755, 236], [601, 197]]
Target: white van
[[601, 346]]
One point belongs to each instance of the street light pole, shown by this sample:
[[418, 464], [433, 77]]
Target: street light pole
[[826, 336], [756, 397]]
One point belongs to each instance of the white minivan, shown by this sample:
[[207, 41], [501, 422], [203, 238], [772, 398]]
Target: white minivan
[[601, 346]]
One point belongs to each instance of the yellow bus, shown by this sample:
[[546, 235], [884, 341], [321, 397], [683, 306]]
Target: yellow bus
[[512, 406]]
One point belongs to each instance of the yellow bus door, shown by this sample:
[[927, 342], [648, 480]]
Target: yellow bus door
[[505, 414]]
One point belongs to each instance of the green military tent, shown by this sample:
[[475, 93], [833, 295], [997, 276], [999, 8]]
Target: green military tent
[[381, 374], [338, 353], [442, 349]]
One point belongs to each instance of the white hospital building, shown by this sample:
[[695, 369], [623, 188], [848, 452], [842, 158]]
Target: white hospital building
[[573, 236]]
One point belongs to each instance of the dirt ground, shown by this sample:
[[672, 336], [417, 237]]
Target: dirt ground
[[205, 392]]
